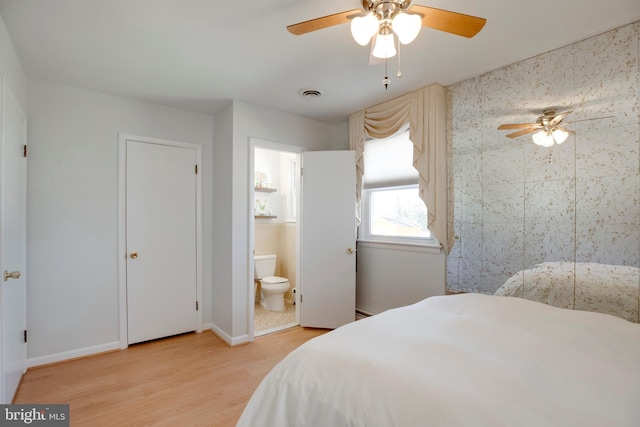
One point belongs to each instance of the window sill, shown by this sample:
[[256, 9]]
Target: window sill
[[431, 248]]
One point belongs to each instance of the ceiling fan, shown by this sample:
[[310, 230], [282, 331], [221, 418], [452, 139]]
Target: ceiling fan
[[379, 20], [549, 128]]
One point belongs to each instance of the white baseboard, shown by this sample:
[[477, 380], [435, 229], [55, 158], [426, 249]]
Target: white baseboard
[[73, 354], [102, 348], [229, 339], [363, 313], [242, 339]]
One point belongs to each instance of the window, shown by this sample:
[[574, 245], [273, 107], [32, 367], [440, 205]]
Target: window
[[392, 210], [397, 211], [395, 214]]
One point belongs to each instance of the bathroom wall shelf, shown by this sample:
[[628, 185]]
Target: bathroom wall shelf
[[266, 216], [266, 190]]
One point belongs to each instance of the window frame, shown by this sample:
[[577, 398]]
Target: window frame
[[364, 230]]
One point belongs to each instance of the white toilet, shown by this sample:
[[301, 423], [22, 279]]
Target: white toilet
[[272, 288]]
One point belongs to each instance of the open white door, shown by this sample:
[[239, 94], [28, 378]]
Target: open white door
[[328, 239], [13, 232]]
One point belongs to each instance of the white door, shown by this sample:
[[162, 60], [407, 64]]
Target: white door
[[160, 240], [14, 236], [328, 239]]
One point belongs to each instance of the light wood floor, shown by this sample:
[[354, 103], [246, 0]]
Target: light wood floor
[[187, 380]]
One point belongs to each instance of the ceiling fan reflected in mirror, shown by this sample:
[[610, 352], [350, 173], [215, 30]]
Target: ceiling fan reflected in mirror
[[381, 21], [548, 129]]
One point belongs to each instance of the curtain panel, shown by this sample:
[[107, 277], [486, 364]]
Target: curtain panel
[[425, 110]]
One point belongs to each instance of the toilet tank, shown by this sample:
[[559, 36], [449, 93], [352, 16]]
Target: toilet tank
[[264, 265]]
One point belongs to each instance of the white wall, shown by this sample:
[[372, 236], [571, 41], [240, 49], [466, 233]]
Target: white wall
[[277, 165], [73, 210], [231, 280], [223, 238], [268, 161], [11, 69], [391, 276]]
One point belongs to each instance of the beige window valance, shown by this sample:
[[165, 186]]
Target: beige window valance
[[426, 112]]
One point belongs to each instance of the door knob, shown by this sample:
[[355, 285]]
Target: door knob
[[349, 251], [12, 275], [133, 255]]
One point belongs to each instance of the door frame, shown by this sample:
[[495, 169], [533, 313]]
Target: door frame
[[122, 221], [276, 146]]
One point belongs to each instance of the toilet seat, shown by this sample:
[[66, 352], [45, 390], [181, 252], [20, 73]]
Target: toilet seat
[[273, 280]]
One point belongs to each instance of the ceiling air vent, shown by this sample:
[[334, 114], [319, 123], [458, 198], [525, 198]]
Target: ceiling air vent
[[310, 93]]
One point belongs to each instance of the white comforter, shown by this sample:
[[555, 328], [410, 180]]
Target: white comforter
[[464, 360]]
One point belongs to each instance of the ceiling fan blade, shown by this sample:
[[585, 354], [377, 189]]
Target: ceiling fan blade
[[592, 118], [323, 22], [516, 126], [569, 131], [558, 117], [522, 132], [450, 22]]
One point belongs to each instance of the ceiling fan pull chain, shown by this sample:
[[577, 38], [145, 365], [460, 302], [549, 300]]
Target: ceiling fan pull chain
[[386, 80]]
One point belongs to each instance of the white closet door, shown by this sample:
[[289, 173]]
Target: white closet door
[[161, 240]]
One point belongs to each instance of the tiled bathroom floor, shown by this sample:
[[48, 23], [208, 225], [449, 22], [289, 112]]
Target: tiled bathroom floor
[[267, 321]]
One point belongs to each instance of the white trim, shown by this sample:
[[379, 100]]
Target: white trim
[[242, 339], [364, 230], [122, 241], [122, 221], [363, 313], [276, 329], [251, 294], [276, 146], [73, 354], [3, 86], [400, 246]]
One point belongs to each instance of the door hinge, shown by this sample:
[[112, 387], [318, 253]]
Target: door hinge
[[24, 150], [25, 336], [301, 171], [196, 169], [300, 298], [197, 306]]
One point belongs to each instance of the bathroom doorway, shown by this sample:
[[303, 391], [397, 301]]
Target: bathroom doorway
[[275, 204]]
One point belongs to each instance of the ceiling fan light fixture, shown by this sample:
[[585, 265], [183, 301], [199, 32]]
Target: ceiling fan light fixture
[[363, 28], [560, 136], [406, 26], [378, 20], [385, 46], [543, 138]]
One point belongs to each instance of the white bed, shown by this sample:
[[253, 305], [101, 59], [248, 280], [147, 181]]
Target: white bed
[[464, 360]]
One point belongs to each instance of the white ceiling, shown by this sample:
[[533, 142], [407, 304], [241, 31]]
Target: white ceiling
[[199, 54]]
